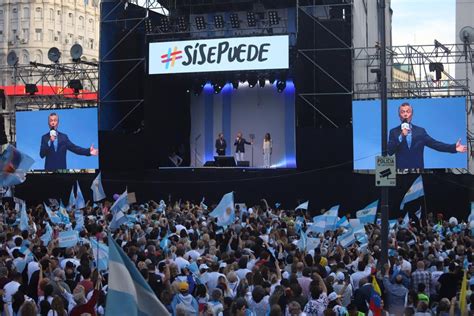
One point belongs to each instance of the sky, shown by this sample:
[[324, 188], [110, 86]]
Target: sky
[[420, 22]]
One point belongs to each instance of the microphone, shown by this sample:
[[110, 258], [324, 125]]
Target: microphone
[[53, 133], [405, 125]]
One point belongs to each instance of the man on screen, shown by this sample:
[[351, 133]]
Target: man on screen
[[408, 141], [54, 146]]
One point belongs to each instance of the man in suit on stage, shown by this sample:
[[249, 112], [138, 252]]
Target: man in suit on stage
[[408, 141], [239, 144], [54, 146], [221, 145]]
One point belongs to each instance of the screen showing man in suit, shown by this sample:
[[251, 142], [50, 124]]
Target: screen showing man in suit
[[408, 141], [423, 133], [66, 129]]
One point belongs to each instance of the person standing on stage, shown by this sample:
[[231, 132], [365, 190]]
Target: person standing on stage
[[267, 150], [239, 144], [221, 145]]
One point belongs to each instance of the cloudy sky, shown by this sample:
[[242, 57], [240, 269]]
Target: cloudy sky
[[419, 22]]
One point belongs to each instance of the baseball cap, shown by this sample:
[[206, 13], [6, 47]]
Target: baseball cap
[[333, 296], [340, 276], [203, 267], [183, 286]]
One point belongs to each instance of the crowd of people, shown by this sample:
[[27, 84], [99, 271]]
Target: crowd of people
[[256, 266]]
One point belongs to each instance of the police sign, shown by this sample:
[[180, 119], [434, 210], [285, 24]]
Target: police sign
[[385, 172]]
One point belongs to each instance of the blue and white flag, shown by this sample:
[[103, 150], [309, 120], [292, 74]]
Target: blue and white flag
[[392, 223], [202, 205], [418, 213], [128, 293], [79, 220], [367, 214], [224, 211], [319, 224], [415, 191], [97, 189], [161, 207], [13, 166], [68, 239], [62, 213], [23, 218], [164, 242], [347, 239], [343, 222], [302, 241], [55, 219], [406, 221], [118, 219], [303, 206], [72, 200], [101, 254], [8, 192], [80, 202], [331, 217], [47, 235], [312, 243], [121, 203]]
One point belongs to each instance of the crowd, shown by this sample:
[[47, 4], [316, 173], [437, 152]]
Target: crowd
[[268, 261]]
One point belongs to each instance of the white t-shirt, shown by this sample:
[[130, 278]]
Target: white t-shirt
[[181, 263], [212, 278]]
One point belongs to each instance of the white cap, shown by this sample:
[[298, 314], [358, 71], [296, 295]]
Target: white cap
[[222, 265], [453, 221], [333, 296], [203, 267], [340, 276]]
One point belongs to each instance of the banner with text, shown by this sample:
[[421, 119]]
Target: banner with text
[[224, 54]]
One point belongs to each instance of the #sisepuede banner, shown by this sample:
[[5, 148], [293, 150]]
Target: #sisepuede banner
[[225, 54]]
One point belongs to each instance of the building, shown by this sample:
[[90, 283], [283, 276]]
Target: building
[[31, 27]]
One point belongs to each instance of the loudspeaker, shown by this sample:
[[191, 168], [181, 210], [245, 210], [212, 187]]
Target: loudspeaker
[[210, 164], [243, 163], [2, 99], [225, 161]]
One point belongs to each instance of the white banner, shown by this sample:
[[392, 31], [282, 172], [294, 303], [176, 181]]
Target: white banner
[[224, 54]]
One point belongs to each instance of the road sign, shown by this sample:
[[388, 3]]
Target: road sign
[[385, 172]]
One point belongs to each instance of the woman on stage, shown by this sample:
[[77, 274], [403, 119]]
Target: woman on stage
[[267, 150]]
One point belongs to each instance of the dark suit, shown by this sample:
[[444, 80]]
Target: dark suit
[[56, 159], [240, 145], [221, 145], [408, 158]]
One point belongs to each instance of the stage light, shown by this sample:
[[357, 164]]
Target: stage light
[[234, 21], [261, 82], [148, 26], [218, 21], [235, 84], [273, 17], [182, 25], [31, 88], [217, 87], [251, 21], [281, 85], [253, 79], [438, 68], [76, 85], [200, 22], [164, 25]]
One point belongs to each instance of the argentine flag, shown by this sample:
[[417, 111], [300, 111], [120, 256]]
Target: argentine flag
[[101, 254], [55, 219], [347, 239], [331, 218], [72, 200], [47, 235], [121, 204], [415, 191], [343, 222], [129, 294], [224, 211], [80, 202], [367, 214], [97, 188], [23, 218], [319, 224], [303, 206], [118, 219]]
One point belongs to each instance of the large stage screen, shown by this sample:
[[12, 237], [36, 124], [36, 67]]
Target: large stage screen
[[59, 139], [423, 133]]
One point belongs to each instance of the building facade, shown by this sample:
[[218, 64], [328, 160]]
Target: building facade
[[31, 27]]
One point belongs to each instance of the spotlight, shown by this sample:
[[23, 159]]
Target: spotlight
[[217, 87], [251, 21], [253, 79], [235, 84], [261, 82], [182, 25], [234, 21], [76, 85], [218, 21], [164, 25], [273, 17], [200, 22], [31, 88], [281, 85], [148, 26]]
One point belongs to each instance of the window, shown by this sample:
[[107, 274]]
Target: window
[[50, 35], [38, 13], [25, 57], [15, 13], [91, 43], [1, 35], [25, 35], [81, 22], [70, 19], [51, 14], [38, 35], [26, 13]]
